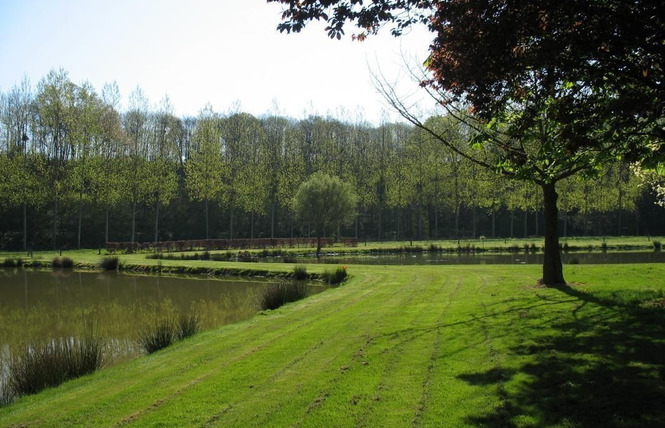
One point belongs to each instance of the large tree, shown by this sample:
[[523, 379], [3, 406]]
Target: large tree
[[555, 88]]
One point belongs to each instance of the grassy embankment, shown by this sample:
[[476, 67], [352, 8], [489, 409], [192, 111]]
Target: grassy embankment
[[397, 346]]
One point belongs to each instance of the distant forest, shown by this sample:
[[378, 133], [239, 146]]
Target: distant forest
[[75, 172]]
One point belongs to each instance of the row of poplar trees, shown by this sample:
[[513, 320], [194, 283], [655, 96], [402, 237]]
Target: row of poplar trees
[[76, 171]]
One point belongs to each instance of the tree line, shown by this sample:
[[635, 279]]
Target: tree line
[[76, 171]]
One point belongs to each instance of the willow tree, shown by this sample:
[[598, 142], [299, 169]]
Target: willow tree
[[324, 202], [556, 87]]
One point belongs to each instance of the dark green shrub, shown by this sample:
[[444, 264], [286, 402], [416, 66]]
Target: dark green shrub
[[110, 263], [158, 337], [276, 295], [336, 276], [245, 256], [433, 248], [657, 245], [290, 259], [188, 325], [300, 272], [49, 364], [9, 262]]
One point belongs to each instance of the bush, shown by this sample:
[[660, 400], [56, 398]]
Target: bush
[[300, 272], [158, 337], [336, 276], [276, 295], [245, 256], [50, 364], [188, 325], [110, 263], [657, 245], [9, 262], [62, 263]]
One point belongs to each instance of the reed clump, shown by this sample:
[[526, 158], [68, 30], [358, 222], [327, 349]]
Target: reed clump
[[49, 364], [110, 263], [277, 295], [62, 263], [336, 276]]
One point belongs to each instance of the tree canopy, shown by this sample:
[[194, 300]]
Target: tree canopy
[[325, 202]]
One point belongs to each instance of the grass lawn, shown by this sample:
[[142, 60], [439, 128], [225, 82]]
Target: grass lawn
[[403, 346]]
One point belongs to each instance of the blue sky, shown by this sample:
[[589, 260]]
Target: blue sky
[[221, 52]]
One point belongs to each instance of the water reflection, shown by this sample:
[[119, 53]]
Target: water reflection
[[37, 306], [427, 258]]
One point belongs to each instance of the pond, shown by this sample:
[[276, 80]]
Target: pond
[[38, 305], [435, 258]]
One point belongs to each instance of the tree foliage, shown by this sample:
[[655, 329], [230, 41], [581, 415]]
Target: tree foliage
[[324, 202]]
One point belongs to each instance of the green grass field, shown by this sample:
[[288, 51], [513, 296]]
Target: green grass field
[[403, 346]]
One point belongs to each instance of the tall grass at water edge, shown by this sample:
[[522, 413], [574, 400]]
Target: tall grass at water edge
[[276, 295], [49, 364], [166, 331]]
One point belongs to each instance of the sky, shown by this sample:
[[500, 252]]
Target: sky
[[226, 53]]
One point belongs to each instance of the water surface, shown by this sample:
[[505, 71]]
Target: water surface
[[435, 258], [40, 305]]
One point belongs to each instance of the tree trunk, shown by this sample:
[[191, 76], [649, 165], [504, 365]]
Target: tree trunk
[[78, 235], [380, 220], [231, 224], [552, 266], [420, 221], [207, 222], [398, 223], [318, 245], [106, 228], [133, 221], [493, 224], [457, 210], [512, 223], [526, 223], [55, 222], [272, 219], [25, 226], [157, 223], [251, 225]]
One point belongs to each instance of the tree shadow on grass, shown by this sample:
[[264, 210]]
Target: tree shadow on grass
[[605, 368]]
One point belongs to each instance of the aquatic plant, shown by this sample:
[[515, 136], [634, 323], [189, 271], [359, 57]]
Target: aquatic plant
[[276, 295]]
